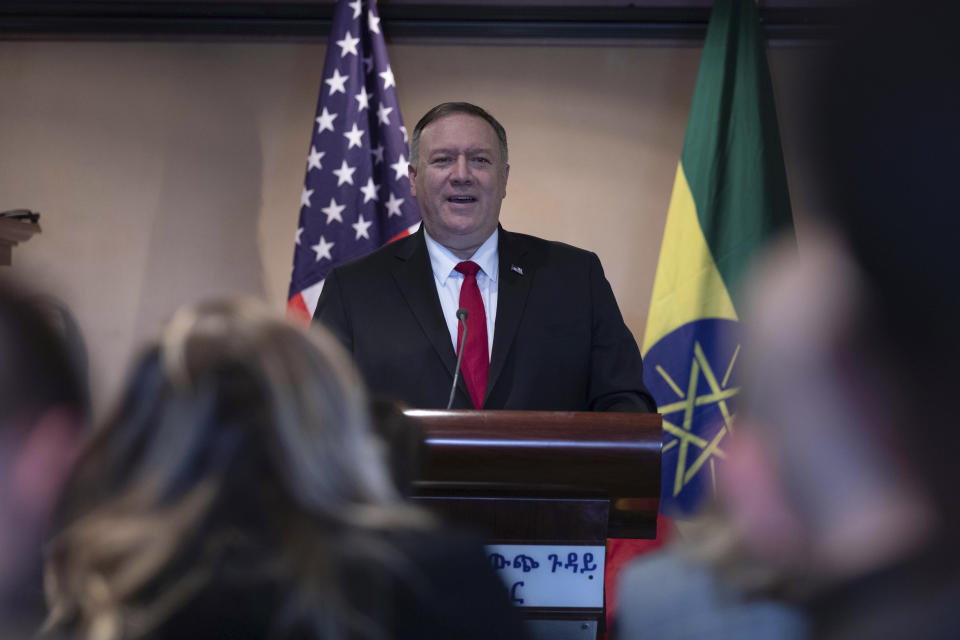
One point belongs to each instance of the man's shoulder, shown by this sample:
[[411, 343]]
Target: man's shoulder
[[378, 260], [549, 249], [381, 261]]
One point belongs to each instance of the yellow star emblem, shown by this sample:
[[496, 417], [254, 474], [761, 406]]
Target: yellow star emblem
[[683, 435]]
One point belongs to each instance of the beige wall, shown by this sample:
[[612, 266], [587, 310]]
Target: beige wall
[[170, 171]]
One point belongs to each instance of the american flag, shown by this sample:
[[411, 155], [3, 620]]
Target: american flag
[[356, 194]]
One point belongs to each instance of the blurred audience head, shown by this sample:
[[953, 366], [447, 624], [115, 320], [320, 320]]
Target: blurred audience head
[[43, 402], [241, 454], [844, 458]]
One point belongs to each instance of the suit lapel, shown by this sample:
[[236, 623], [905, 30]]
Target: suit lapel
[[515, 279], [414, 277]]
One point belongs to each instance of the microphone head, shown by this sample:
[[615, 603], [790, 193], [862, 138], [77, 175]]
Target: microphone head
[[462, 314]]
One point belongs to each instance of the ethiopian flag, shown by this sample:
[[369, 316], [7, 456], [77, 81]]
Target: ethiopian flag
[[730, 196]]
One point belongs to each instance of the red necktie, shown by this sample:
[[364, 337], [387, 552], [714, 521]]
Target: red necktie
[[476, 358]]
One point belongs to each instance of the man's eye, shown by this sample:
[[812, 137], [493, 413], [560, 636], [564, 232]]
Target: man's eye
[[441, 159], [482, 160]]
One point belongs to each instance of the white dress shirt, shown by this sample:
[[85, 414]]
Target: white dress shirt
[[449, 281]]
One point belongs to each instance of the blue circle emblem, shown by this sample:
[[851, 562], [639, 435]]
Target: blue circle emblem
[[692, 374]]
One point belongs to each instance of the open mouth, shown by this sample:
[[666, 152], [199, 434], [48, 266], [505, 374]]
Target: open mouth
[[461, 199]]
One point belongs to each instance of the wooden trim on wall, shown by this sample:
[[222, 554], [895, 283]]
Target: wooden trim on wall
[[438, 20]]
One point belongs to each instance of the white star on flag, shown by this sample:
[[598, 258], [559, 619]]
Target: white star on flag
[[374, 23], [400, 167], [363, 99], [344, 173], [369, 191], [393, 205], [305, 197], [383, 113], [361, 227], [299, 233], [337, 82], [387, 78], [354, 136], [348, 45], [377, 154], [403, 130], [368, 64], [322, 249], [313, 160], [355, 5], [333, 211], [325, 121]]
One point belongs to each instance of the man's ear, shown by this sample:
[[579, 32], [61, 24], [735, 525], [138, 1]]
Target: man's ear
[[506, 175], [412, 175]]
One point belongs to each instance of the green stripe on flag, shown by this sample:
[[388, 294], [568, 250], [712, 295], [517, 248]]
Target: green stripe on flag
[[731, 155]]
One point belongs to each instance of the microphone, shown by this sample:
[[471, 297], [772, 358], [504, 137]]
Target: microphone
[[462, 320]]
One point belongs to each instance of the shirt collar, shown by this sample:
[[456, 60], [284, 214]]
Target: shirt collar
[[443, 261]]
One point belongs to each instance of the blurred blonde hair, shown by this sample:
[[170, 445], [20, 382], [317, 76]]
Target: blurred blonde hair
[[236, 426]]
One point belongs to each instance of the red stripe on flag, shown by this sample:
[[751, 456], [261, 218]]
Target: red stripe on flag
[[297, 310], [406, 232], [621, 551], [402, 234]]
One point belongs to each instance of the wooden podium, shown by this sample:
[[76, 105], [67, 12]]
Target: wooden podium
[[546, 489]]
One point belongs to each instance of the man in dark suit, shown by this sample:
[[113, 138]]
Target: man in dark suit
[[543, 328]]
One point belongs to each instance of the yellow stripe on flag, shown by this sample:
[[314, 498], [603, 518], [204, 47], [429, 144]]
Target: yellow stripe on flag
[[687, 286]]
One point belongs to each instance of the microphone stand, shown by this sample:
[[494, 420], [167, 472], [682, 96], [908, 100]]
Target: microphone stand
[[462, 318]]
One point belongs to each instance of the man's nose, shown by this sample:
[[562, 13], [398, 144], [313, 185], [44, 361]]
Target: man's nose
[[461, 171]]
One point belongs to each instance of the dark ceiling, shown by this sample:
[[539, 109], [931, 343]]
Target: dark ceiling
[[402, 19]]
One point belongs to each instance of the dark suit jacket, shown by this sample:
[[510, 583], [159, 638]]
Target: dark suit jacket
[[559, 339]]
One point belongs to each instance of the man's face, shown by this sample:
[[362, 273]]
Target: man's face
[[459, 181]]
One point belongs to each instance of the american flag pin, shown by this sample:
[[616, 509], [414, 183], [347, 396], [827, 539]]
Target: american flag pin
[[517, 269]]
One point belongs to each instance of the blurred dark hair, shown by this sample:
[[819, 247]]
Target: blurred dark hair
[[242, 442], [887, 113], [44, 360], [887, 110]]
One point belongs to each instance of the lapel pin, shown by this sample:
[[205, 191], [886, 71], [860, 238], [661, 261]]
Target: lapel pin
[[516, 269]]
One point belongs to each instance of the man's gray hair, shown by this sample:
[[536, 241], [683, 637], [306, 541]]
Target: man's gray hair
[[449, 108]]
